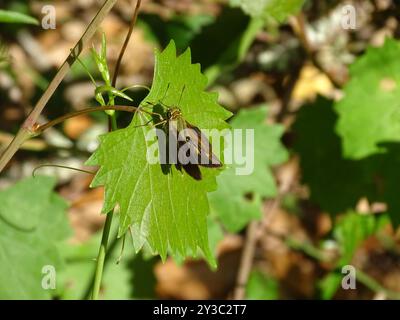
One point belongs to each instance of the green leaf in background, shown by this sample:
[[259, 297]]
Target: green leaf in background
[[385, 169], [165, 210], [369, 113], [75, 281], [203, 33], [120, 281], [277, 9], [349, 232], [29, 231], [216, 56], [16, 17], [260, 287], [327, 173], [238, 198], [215, 233], [329, 284], [336, 184], [180, 28]]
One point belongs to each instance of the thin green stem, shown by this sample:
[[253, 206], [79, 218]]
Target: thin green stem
[[110, 249], [114, 124], [375, 286], [102, 256], [125, 45], [61, 119], [87, 71], [104, 239]]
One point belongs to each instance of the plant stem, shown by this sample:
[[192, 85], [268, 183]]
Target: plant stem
[[375, 286], [75, 52], [125, 45], [246, 261], [101, 256], [61, 119], [114, 125], [104, 239], [22, 136], [252, 237], [27, 128], [110, 249]]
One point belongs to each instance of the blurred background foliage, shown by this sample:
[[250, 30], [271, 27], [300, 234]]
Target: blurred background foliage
[[324, 105]]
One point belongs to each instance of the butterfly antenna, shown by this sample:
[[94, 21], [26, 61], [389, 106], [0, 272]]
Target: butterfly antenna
[[180, 98], [166, 91]]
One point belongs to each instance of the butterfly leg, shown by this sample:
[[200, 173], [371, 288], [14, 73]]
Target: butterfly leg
[[154, 125], [159, 115]]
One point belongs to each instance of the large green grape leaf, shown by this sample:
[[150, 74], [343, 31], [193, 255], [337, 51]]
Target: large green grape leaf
[[166, 211], [369, 113], [239, 197], [277, 9], [32, 221]]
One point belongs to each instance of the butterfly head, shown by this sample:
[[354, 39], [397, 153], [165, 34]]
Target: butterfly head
[[174, 113]]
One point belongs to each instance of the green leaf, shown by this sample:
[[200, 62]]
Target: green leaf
[[351, 231], [103, 52], [76, 279], [204, 33], [221, 56], [29, 231], [16, 17], [108, 89], [238, 198], [99, 98], [385, 167], [260, 287], [369, 113], [120, 281], [236, 51], [329, 284], [375, 177], [336, 184], [181, 28], [165, 210], [277, 9], [101, 61]]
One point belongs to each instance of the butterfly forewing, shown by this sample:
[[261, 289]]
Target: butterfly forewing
[[202, 145]]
